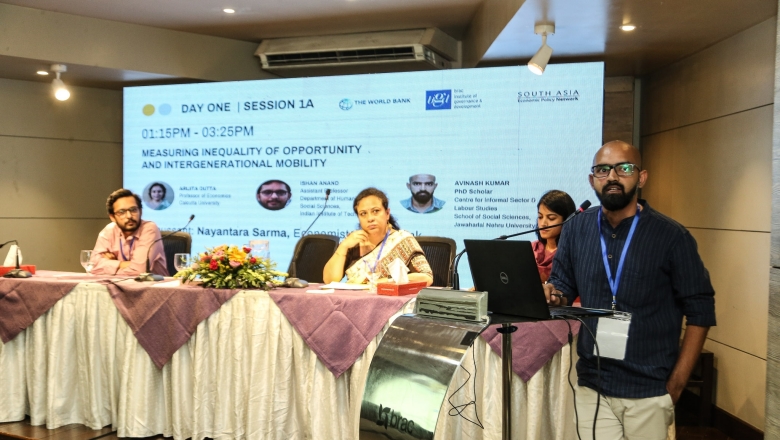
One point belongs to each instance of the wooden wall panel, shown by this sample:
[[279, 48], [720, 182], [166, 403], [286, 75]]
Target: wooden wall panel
[[731, 76], [740, 383], [57, 178], [716, 174], [738, 263], [29, 109], [618, 109], [52, 244], [707, 124], [58, 164]]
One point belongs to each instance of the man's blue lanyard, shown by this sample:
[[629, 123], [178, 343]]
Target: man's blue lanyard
[[130, 251], [615, 282]]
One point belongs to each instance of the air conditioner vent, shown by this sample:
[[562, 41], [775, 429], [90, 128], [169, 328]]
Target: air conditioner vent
[[342, 56]]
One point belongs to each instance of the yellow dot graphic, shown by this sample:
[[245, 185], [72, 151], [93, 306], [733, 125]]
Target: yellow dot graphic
[[148, 109]]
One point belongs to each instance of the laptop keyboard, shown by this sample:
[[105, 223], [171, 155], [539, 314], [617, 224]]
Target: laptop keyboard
[[578, 311]]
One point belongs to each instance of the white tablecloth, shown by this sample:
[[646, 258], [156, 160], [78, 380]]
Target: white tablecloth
[[245, 373]]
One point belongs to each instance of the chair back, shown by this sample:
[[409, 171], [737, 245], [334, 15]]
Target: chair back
[[311, 254], [177, 243], [439, 251]]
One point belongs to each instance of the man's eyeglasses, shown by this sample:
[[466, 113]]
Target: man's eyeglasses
[[122, 212], [270, 192], [621, 169]]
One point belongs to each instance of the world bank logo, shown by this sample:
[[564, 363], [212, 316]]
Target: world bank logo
[[345, 104], [438, 99]]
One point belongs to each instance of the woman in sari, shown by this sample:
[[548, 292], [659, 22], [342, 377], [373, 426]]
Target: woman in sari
[[376, 245], [553, 208]]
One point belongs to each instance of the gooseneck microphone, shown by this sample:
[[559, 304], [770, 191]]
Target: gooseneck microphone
[[17, 272], [454, 267], [585, 205], [327, 196], [148, 276], [292, 264]]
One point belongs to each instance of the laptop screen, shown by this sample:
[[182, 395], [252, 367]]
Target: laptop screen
[[507, 270]]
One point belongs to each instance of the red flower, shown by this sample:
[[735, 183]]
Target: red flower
[[213, 265], [253, 260], [247, 249]]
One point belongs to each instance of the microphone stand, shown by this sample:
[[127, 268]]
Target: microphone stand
[[148, 276], [293, 266]]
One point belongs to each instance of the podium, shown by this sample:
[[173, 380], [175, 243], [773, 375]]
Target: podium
[[409, 376]]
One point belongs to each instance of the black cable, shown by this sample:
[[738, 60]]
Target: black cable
[[459, 409], [598, 374], [568, 377]]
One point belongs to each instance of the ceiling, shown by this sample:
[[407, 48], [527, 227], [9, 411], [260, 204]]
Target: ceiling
[[586, 30]]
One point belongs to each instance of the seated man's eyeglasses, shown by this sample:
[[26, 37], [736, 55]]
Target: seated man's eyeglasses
[[278, 192], [122, 212], [621, 169]]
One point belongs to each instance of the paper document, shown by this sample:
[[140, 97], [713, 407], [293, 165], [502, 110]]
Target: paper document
[[345, 286]]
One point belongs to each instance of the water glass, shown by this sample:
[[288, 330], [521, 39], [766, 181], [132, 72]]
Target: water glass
[[86, 260], [373, 278], [260, 248], [181, 261]]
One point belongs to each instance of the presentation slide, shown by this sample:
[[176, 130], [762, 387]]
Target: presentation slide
[[253, 159]]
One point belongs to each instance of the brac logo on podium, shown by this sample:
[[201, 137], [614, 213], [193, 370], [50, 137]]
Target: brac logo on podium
[[388, 418]]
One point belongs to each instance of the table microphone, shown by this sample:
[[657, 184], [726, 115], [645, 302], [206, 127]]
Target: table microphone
[[327, 196], [18, 272], [454, 268], [292, 264], [148, 276]]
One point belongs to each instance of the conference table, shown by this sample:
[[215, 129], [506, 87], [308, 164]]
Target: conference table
[[188, 362]]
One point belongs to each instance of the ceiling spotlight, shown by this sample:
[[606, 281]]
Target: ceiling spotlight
[[539, 61], [42, 72], [627, 27], [229, 11], [60, 91]]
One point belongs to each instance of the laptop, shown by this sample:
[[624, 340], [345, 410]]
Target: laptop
[[507, 270]]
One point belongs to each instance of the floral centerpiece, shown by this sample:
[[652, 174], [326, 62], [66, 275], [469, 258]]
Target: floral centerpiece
[[231, 267]]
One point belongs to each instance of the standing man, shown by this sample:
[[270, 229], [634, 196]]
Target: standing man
[[422, 200], [122, 246], [625, 256], [274, 195]]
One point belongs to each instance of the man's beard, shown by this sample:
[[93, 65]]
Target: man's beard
[[127, 228], [615, 201], [422, 197]]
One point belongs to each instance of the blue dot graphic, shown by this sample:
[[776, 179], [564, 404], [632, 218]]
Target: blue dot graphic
[[164, 109]]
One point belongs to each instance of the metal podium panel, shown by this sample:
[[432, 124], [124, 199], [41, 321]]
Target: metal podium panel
[[409, 376]]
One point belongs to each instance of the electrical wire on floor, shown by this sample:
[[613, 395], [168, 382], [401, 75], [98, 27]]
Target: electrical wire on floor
[[458, 410]]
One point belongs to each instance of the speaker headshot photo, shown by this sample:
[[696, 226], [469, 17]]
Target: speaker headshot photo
[[274, 195], [422, 200], [158, 196]]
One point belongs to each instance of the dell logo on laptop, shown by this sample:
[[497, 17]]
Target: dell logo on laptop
[[504, 277]]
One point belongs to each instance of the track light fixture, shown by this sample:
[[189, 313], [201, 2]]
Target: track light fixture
[[539, 61], [60, 91]]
